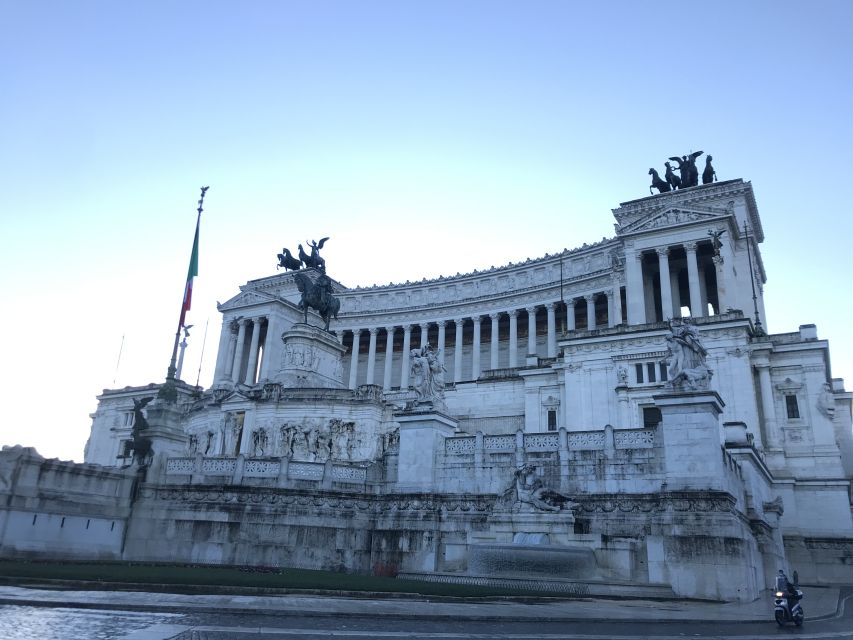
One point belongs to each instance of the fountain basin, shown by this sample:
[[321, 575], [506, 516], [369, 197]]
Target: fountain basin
[[532, 560]]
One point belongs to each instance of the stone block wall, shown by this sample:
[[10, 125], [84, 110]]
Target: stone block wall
[[306, 528], [61, 509]]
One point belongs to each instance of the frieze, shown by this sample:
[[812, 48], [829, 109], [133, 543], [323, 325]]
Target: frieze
[[646, 355], [700, 502], [845, 545], [670, 217]]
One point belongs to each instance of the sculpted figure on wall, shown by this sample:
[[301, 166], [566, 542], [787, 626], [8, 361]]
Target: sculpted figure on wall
[[209, 443], [826, 401], [260, 441], [343, 438], [532, 493], [687, 368], [427, 375]]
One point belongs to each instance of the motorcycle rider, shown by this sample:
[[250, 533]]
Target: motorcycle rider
[[783, 584]]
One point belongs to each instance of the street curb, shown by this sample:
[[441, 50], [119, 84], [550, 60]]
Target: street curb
[[442, 617]]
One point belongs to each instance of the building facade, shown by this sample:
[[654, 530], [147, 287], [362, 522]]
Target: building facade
[[451, 418]]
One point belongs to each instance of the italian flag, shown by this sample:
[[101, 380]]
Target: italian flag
[[192, 272]]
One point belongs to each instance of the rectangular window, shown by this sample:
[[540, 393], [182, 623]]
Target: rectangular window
[[650, 367], [552, 419], [651, 417], [124, 449], [663, 372], [792, 407], [639, 369]]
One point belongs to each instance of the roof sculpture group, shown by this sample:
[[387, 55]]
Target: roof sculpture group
[[316, 294], [688, 174]]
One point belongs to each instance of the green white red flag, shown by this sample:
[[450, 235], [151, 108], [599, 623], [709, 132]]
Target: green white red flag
[[192, 272]]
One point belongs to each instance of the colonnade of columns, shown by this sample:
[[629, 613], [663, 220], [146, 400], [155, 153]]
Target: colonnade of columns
[[640, 304], [496, 360], [245, 344]]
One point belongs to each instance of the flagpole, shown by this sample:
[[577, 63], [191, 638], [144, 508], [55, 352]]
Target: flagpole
[[168, 392]]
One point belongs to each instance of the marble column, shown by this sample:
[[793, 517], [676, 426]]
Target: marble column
[[611, 309], [696, 309], [531, 331], [424, 334], [771, 430], [667, 310], [617, 304], [441, 324], [475, 349], [513, 338], [389, 358], [457, 350], [353, 362], [253, 351], [636, 296], [371, 355], [268, 362], [570, 314], [222, 354], [722, 299], [552, 329], [404, 368], [590, 312], [493, 360], [232, 348], [238, 351]]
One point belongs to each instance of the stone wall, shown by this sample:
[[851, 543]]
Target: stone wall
[[55, 509], [308, 528]]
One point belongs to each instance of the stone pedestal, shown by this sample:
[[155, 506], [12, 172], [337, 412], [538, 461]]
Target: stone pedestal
[[692, 440], [422, 435], [165, 432], [311, 358]]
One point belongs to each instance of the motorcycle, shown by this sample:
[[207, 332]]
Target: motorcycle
[[787, 602]]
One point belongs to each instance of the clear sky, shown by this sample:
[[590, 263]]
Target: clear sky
[[425, 138]]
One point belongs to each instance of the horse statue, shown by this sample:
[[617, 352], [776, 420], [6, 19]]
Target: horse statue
[[314, 260], [673, 180], [661, 185], [140, 445], [709, 175], [317, 295], [286, 260]]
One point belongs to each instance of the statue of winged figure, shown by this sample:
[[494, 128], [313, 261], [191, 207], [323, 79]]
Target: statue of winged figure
[[687, 169], [314, 260]]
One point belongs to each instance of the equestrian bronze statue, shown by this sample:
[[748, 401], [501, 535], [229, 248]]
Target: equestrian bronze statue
[[318, 296]]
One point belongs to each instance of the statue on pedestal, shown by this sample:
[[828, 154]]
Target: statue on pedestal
[[314, 260], [140, 445], [286, 260], [427, 375], [318, 295], [531, 492], [687, 368], [708, 175]]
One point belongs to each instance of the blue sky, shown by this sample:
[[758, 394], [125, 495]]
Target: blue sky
[[425, 138]]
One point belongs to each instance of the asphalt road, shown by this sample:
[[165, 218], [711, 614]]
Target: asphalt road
[[48, 623]]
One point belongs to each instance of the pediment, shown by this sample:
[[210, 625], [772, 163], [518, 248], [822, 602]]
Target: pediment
[[245, 299], [671, 217], [234, 397]]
